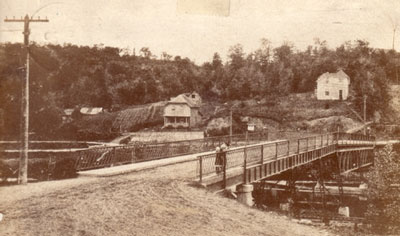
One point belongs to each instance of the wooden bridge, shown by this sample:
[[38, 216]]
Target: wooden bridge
[[252, 163]]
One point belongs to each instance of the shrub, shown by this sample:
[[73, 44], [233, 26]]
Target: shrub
[[383, 211], [5, 171], [39, 169], [64, 169]]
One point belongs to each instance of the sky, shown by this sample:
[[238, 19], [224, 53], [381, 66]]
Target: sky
[[162, 25]]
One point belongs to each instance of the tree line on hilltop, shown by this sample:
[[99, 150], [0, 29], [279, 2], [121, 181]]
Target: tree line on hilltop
[[71, 76]]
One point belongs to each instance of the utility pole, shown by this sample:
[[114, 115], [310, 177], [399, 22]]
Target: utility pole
[[394, 34], [230, 126], [23, 162], [365, 114]]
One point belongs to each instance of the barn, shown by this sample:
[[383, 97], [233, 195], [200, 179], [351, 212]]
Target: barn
[[333, 86]]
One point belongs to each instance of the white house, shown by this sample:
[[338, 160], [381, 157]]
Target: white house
[[333, 86], [183, 111]]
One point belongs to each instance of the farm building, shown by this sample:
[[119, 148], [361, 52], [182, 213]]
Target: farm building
[[183, 111], [67, 115], [91, 110], [333, 86]]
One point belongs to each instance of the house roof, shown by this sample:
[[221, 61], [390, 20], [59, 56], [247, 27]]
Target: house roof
[[91, 110], [68, 111], [184, 99], [178, 99], [338, 74]]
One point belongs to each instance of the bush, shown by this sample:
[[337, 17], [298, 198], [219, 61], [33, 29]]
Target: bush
[[39, 169], [64, 169], [383, 212], [5, 171], [42, 170]]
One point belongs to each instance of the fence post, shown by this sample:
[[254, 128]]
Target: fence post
[[315, 142], [133, 153], [201, 169], [78, 160], [288, 147], [224, 180], [298, 146], [307, 144], [245, 166], [113, 157], [322, 140], [262, 154]]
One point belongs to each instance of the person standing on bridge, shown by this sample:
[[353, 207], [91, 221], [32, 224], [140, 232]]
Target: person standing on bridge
[[224, 149], [218, 160]]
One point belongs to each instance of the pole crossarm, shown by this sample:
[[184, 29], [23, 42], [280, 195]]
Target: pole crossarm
[[26, 19], [30, 20]]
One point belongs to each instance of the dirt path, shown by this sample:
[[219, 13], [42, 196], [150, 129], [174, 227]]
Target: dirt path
[[153, 202]]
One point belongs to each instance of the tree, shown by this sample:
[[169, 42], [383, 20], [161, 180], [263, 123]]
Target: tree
[[216, 61], [384, 192], [283, 53], [262, 56], [165, 56], [236, 57], [145, 52]]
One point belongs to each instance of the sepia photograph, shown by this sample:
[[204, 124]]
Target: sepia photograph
[[199, 117]]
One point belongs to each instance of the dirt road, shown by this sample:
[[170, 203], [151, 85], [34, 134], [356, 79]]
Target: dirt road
[[152, 202]]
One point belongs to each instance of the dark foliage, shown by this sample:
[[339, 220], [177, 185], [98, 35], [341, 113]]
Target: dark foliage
[[69, 76], [383, 213], [64, 169]]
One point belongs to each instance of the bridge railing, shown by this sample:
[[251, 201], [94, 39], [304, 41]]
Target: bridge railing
[[262, 153], [353, 139], [98, 157]]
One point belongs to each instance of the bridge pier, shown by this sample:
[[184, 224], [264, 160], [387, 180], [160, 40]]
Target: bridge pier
[[244, 194]]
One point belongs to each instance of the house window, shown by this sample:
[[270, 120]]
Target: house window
[[181, 120], [326, 93], [170, 119]]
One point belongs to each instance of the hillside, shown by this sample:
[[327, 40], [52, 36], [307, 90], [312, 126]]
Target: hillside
[[294, 111], [69, 76], [139, 117]]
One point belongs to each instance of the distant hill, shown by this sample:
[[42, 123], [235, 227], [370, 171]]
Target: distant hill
[[68, 76]]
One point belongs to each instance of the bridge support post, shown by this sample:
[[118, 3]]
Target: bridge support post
[[244, 194]]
